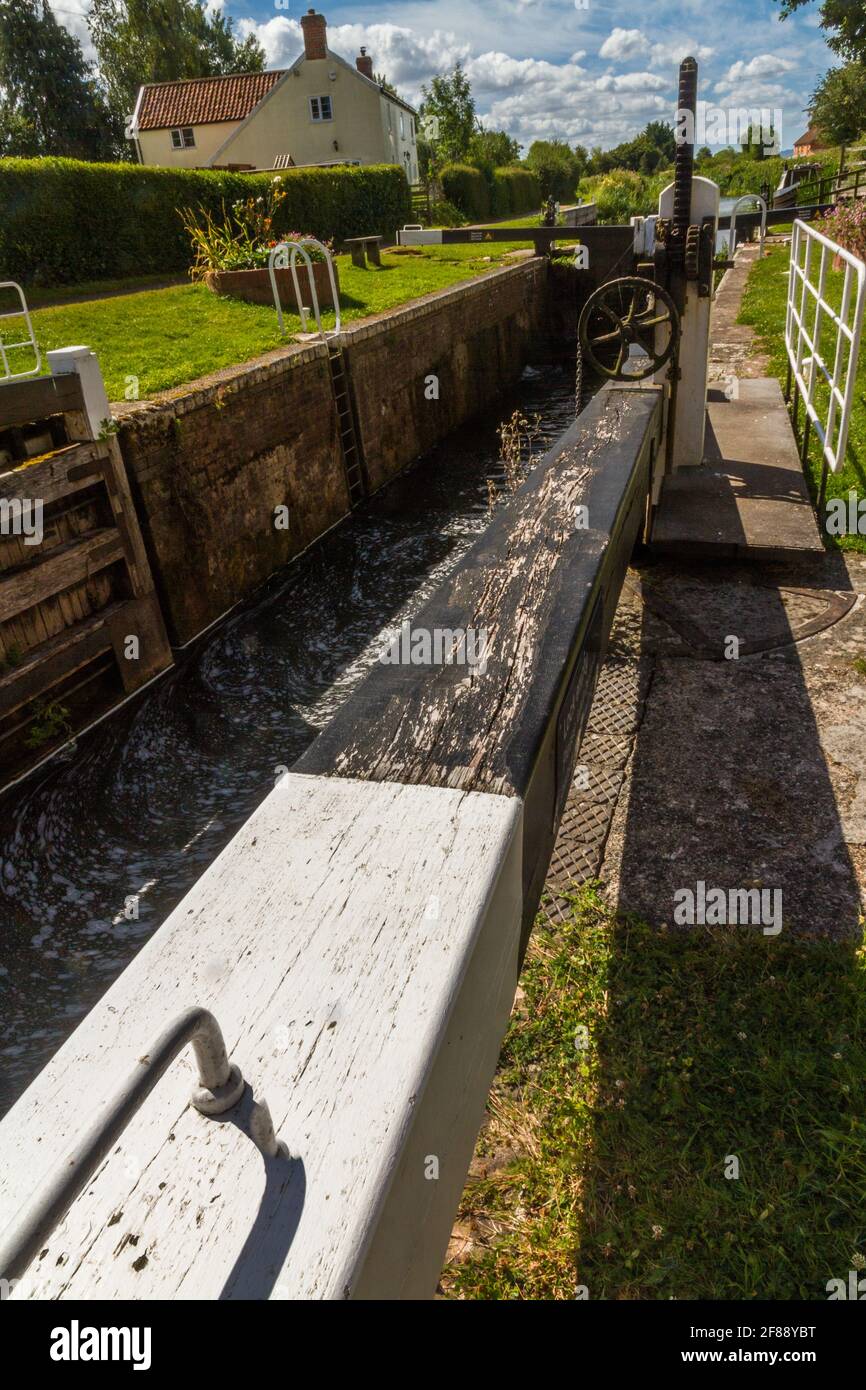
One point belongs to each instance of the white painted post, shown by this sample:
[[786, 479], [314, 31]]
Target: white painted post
[[85, 365], [688, 443]]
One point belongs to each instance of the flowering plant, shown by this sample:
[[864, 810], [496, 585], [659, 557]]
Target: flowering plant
[[847, 225], [243, 238]]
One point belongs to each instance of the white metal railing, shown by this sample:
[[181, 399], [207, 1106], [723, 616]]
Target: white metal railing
[[284, 258], [808, 315], [747, 198], [28, 342]]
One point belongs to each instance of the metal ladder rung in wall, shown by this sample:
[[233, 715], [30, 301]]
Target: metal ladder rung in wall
[[352, 460]]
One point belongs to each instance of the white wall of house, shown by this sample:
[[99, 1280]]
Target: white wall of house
[[285, 122], [398, 131], [157, 148]]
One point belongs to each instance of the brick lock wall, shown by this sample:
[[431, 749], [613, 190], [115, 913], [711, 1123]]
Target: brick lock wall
[[475, 339], [208, 466], [208, 470]]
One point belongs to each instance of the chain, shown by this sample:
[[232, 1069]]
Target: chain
[[578, 380]]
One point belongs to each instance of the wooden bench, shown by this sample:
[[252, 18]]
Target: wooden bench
[[363, 246]]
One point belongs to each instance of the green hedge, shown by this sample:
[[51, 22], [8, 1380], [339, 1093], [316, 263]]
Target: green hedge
[[466, 187], [499, 193], [65, 221], [524, 190]]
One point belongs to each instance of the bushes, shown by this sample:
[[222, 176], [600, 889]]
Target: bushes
[[847, 226], [66, 221], [624, 194], [445, 214], [502, 193], [499, 190], [524, 190], [467, 189]]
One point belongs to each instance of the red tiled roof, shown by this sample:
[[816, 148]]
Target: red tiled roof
[[203, 100]]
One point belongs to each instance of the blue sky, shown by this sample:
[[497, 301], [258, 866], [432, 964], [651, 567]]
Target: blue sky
[[544, 68]]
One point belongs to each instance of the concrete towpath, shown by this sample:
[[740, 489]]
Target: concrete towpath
[[736, 763]]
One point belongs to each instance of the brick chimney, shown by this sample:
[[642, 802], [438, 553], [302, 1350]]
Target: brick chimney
[[315, 28], [364, 63]]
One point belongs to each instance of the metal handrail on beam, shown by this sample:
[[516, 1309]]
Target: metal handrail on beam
[[748, 198], [220, 1087]]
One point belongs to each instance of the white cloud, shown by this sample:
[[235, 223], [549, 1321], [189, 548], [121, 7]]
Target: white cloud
[[670, 54], [72, 14], [622, 44], [762, 65], [280, 37], [631, 82]]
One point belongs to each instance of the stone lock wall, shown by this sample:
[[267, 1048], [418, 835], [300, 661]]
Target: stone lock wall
[[209, 463]]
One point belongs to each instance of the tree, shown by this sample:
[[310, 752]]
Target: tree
[[838, 106], [654, 148], [140, 41], [846, 19], [660, 134], [557, 168], [18, 134], [51, 103], [492, 149], [448, 115]]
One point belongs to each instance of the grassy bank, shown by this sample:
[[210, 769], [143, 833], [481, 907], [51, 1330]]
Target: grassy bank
[[638, 1065], [764, 309], [154, 340]]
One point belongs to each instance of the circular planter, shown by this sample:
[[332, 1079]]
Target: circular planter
[[255, 285]]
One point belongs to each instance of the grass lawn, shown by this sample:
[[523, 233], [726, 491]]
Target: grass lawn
[[154, 340], [529, 219], [638, 1063], [764, 309], [39, 296]]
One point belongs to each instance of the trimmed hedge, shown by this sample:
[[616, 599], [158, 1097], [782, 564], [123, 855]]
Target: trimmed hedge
[[504, 193], [524, 190], [64, 220], [466, 187]]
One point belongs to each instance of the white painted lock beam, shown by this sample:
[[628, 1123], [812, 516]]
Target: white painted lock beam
[[358, 942]]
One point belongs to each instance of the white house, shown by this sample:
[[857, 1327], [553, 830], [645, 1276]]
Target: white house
[[321, 110]]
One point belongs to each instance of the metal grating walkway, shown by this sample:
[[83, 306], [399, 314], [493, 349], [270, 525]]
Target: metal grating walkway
[[616, 713]]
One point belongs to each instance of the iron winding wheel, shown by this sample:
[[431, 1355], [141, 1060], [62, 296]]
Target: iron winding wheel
[[624, 313]]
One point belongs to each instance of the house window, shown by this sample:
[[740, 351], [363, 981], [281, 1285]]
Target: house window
[[402, 127], [320, 108], [183, 138], [412, 129]]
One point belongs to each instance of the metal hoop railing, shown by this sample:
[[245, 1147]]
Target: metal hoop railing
[[28, 342], [282, 259], [220, 1087], [748, 198]]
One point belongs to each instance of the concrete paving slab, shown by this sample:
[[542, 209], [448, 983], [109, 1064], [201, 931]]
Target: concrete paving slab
[[748, 499]]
